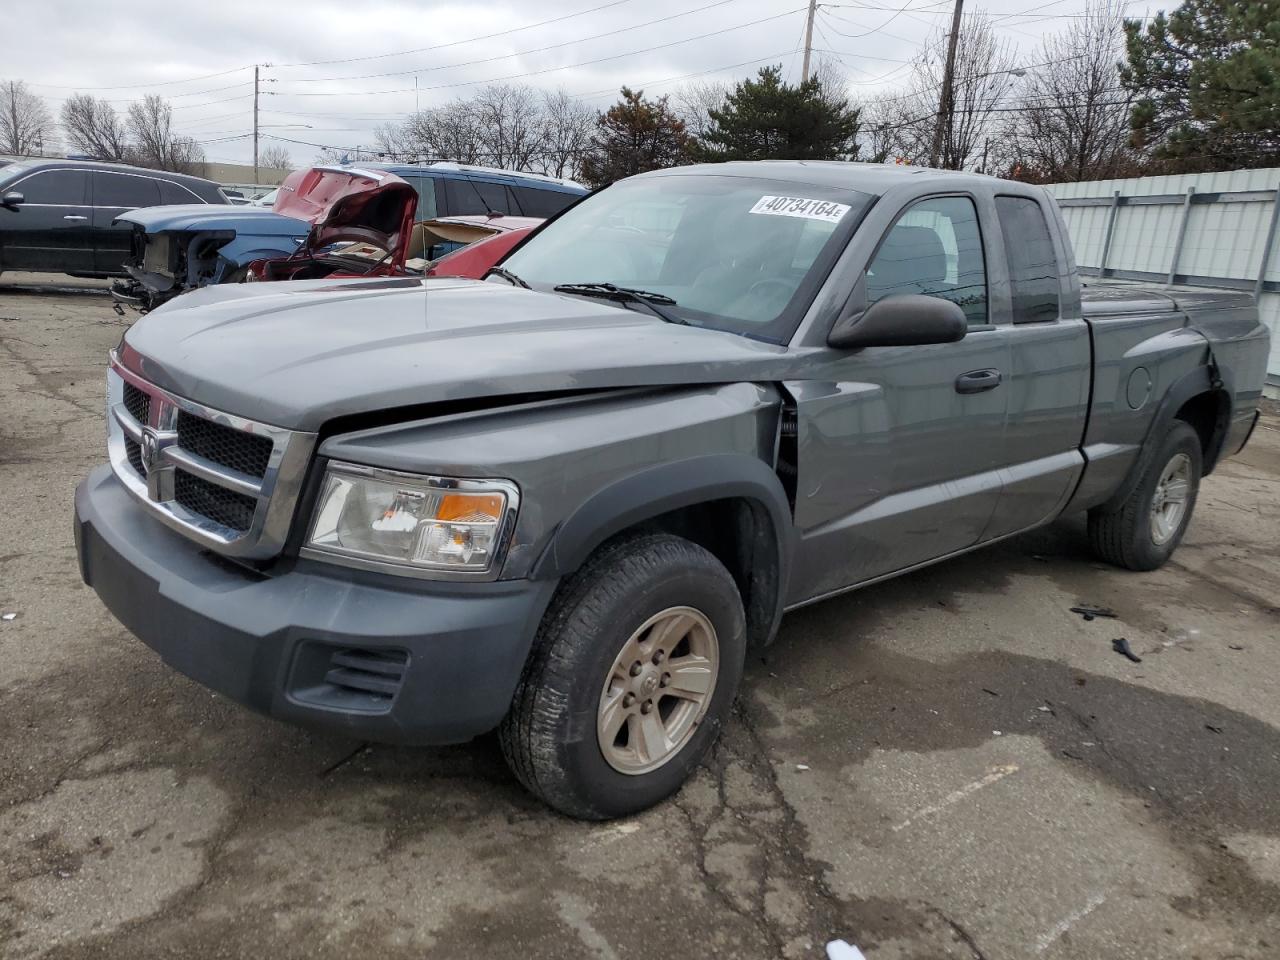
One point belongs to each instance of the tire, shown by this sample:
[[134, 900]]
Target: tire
[[551, 736], [1128, 535]]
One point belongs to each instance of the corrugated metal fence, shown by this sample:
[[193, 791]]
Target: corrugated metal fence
[[1202, 230]]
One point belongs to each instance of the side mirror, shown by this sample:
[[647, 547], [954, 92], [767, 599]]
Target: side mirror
[[901, 321], [12, 199]]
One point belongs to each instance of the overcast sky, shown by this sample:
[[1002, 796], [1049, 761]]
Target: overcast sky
[[201, 55]]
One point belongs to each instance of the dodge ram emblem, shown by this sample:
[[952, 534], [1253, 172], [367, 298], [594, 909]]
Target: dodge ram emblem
[[150, 450]]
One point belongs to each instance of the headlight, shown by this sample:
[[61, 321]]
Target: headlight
[[368, 516]]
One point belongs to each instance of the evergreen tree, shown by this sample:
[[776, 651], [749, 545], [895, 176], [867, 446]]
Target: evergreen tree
[[767, 119], [633, 136], [1207, 79]]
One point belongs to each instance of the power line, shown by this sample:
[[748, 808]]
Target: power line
[[519, 53], [683, 76], [138, 86], [454, 43], [534, 73]]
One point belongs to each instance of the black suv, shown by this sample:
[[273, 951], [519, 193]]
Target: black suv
[[56, 215]]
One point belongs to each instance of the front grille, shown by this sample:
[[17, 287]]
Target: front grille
[[133, 451], [231, 509], [223, 480], [245, 452], [137, 403]]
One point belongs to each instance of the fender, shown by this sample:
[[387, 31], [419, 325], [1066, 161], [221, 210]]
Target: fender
[[671, 486], [1203, 379]]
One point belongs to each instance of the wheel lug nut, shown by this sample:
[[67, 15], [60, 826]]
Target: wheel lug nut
[[659, 657], [629, 699], [666, 678], [646, 707], [636, 668]]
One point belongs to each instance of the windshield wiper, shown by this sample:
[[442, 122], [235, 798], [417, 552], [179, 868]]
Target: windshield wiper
[[609, 291], [506, 275]]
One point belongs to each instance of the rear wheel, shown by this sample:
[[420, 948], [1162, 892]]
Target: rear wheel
[[635, 668], [1145, 530]]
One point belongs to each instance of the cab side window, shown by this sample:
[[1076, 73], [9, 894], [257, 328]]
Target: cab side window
[[934, 248], [1033, 264], [65, 187]]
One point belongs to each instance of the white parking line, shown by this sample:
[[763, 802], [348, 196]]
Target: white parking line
[[1050, 936], [996, 774]]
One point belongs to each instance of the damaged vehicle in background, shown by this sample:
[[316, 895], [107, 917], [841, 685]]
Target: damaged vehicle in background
[[181, 248]]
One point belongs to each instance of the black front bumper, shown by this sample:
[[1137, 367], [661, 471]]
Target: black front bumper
[[387, 659]]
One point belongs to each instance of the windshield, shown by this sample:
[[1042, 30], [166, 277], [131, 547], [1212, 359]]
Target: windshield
[[742, 254]]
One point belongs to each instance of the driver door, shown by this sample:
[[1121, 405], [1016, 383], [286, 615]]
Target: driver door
[[899, 453]]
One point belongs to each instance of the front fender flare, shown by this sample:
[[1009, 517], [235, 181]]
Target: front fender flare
[[672, 486]]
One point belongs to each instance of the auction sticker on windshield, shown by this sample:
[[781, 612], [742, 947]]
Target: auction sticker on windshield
[[801, 207]]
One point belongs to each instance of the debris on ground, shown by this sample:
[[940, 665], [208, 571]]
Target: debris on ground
[[802, 766], [1212, 728], [1235, 646], [990, 691], [1121, 646], [839, 950], [8, 616], [1092, 613]]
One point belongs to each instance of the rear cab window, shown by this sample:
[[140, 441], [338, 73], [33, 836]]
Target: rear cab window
[[1033, 262]]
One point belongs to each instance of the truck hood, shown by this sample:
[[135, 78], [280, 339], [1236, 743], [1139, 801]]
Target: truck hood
[[256, 221], [299, 354]]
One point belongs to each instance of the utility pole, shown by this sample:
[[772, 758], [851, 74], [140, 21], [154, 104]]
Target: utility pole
[[946, 107], [808, 41], [255, 124]]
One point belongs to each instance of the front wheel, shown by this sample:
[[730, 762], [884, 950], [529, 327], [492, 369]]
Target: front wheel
[[1145, 530], [634, 670]]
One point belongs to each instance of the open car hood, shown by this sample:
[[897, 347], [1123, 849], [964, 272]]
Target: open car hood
[[350, 204]]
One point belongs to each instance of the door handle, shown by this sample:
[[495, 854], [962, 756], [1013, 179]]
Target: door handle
[[74, 216], [976, 381]]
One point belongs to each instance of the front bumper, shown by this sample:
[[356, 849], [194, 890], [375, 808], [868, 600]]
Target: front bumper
[[374, 657]]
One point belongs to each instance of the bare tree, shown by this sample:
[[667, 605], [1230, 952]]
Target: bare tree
[[1074, 122], [448, 132], [568, 126], [512, 135], [694, 103], [155, 144], [984, 68], [878, 138], [275, 157], [26, 126], [93, 126]]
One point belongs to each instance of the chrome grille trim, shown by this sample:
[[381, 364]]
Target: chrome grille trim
[[276, 492]]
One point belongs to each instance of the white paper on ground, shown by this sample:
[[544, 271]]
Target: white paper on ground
[[839, 950]]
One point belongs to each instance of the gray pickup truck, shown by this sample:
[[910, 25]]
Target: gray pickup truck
[[564, 502]]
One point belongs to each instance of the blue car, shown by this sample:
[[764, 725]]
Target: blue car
[[178, 248]]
